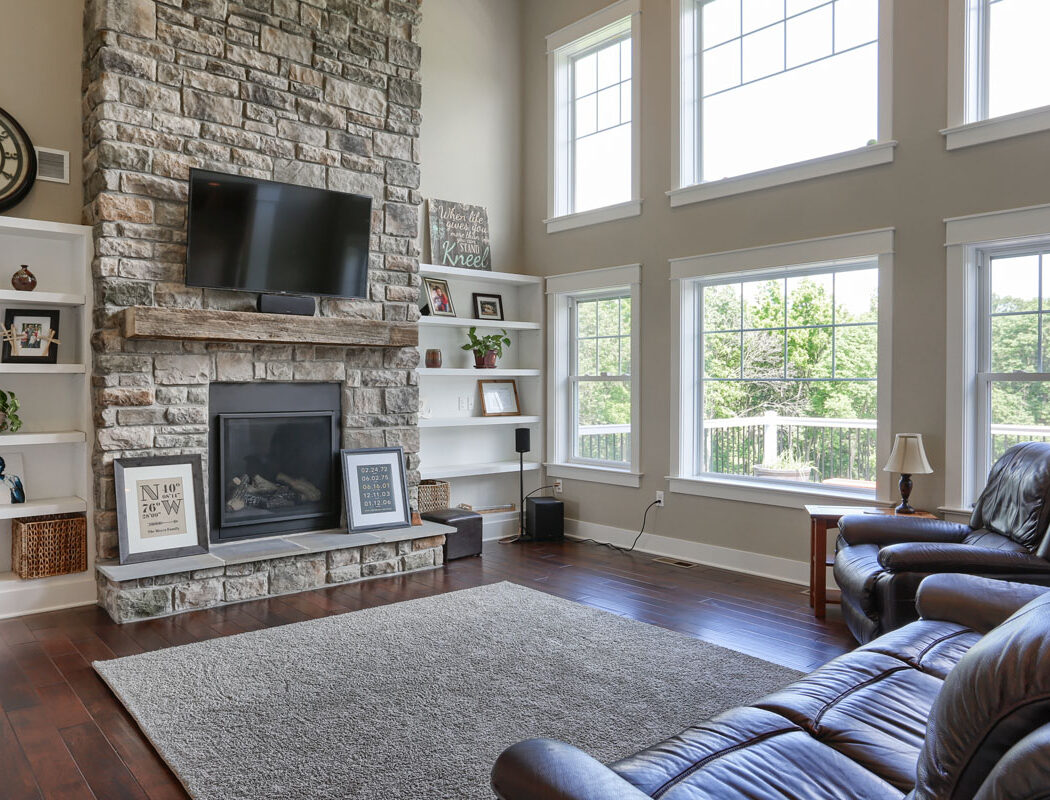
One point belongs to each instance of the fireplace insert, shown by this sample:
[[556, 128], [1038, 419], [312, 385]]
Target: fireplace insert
[[273, 459]]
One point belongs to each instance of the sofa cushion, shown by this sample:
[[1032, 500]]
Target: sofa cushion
[[869, 706], [929, 645], [749, 754]]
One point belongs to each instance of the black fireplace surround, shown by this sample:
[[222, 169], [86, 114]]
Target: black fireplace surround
[[273, 457]]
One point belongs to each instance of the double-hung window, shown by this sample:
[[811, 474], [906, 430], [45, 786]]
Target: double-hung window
[[997, 70], [593, 104], [593, 382], [779, 382], [767, 84]]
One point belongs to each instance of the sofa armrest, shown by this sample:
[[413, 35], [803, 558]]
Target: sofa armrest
[[940, 557], [883, 529], [972, 601], [546, 769]]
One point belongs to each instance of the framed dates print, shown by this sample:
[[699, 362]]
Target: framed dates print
[[160, 508], [375, 488]]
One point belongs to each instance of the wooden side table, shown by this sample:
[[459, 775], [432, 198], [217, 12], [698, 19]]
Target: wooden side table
[[821, 520]]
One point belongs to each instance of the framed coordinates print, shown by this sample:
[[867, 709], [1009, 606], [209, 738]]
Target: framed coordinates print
[[160, 508], [376, 489]]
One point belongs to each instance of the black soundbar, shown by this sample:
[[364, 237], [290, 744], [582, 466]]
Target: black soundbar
[[287, 304]]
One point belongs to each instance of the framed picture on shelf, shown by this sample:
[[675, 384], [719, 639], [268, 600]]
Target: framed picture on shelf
[[488, 306], [30, 336], [12, 479], [499, 398], [160, 508], [439, 297], [375, 488]]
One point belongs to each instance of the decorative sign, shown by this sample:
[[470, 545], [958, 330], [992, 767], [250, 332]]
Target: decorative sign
[[376, 489], [160, 508], [459, 235], [375, 483]]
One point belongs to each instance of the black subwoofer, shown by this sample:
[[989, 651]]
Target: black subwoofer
[[544, 519]]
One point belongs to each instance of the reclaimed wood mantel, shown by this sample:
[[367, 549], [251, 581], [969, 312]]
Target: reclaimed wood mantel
[[203, 325]]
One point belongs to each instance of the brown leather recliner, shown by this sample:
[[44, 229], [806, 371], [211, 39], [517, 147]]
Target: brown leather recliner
[[932, 711], [882, 559]]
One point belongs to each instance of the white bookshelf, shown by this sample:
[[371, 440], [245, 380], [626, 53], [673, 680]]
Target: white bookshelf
[[476, 453], [54, 441]]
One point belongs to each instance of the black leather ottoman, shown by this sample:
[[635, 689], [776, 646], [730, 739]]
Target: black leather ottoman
[[466, 541]]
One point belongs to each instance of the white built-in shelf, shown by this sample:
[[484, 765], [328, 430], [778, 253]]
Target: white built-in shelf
[[42, 369], [10, 297], [467, 422], [466, 470], [47, 505], [447, 372], [462, 322], [26, 439], [438, 271]]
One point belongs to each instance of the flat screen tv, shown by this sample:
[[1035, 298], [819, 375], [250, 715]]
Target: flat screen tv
[[261, 236]]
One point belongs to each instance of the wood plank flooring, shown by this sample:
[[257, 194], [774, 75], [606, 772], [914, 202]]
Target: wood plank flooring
[[63, 735]]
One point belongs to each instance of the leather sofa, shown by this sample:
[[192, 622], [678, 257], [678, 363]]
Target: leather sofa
[[953, 706], [881, 560]]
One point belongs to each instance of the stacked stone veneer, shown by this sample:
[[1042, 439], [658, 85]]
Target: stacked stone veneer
[[323, 93], [143, 598]]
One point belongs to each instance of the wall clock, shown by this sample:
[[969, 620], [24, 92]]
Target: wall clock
[[17, 162]]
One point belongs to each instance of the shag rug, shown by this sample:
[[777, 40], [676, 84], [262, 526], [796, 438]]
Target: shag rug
[[417, 699]]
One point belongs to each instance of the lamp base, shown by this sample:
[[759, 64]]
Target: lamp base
[[905, 487]]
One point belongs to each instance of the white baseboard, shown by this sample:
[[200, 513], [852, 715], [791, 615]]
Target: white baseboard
[[498, 526], [18, 598], [781, 569]]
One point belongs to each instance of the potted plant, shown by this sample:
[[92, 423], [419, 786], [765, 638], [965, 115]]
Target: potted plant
[[9, 421], [486, 349], [785, 468]]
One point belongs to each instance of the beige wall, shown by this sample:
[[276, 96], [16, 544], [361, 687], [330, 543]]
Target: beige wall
[[471, 134], [924, 186], [41, 47]]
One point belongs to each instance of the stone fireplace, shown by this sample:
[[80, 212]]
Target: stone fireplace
[[273, 458]]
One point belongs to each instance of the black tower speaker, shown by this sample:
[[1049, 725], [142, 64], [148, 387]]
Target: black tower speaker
[[544, 519]]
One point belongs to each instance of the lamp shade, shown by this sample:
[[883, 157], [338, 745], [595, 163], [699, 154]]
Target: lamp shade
[[908, 456]]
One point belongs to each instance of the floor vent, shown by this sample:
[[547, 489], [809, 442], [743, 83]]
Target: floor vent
[[675, 562]]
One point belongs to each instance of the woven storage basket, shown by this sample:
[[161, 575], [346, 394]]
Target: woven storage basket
[[51, 545], [434, 495]]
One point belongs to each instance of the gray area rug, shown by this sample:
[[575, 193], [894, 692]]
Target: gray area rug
[[416, 699]]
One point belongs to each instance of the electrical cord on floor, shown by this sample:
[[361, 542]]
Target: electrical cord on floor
[[517, 536], [636, 538]]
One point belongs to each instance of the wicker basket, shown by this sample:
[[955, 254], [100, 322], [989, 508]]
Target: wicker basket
[[55, 544], [434, 495]]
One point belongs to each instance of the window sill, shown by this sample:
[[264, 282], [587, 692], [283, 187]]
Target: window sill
[[766, 493], [869, 156], [610, 475], [596, 216], [991, 130]]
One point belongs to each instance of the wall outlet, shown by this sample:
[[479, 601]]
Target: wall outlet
[[660, 499], [557, 486], [466, 403]]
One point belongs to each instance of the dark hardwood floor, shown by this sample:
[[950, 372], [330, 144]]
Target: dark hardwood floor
[[63, 735]]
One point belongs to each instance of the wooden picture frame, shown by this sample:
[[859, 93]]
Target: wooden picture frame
[[488, 306], [160, 508], [30, 336], [375, 489], [496, 398], [439, 297]]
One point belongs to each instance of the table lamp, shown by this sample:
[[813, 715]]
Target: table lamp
[[908, 457]]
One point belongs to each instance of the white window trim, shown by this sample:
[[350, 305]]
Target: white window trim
[[966, 125], [561, 46], [966, 238], [875, 244], [685, 127], [559, 423]]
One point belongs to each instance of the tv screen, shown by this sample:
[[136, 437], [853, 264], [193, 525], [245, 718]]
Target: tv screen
[[261, 236]]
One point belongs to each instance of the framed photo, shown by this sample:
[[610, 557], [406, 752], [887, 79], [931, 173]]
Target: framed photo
[[499, 398], [30, 336], [160, 508], [488, 306], [375, 488], [12, 479], [439, 297]]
